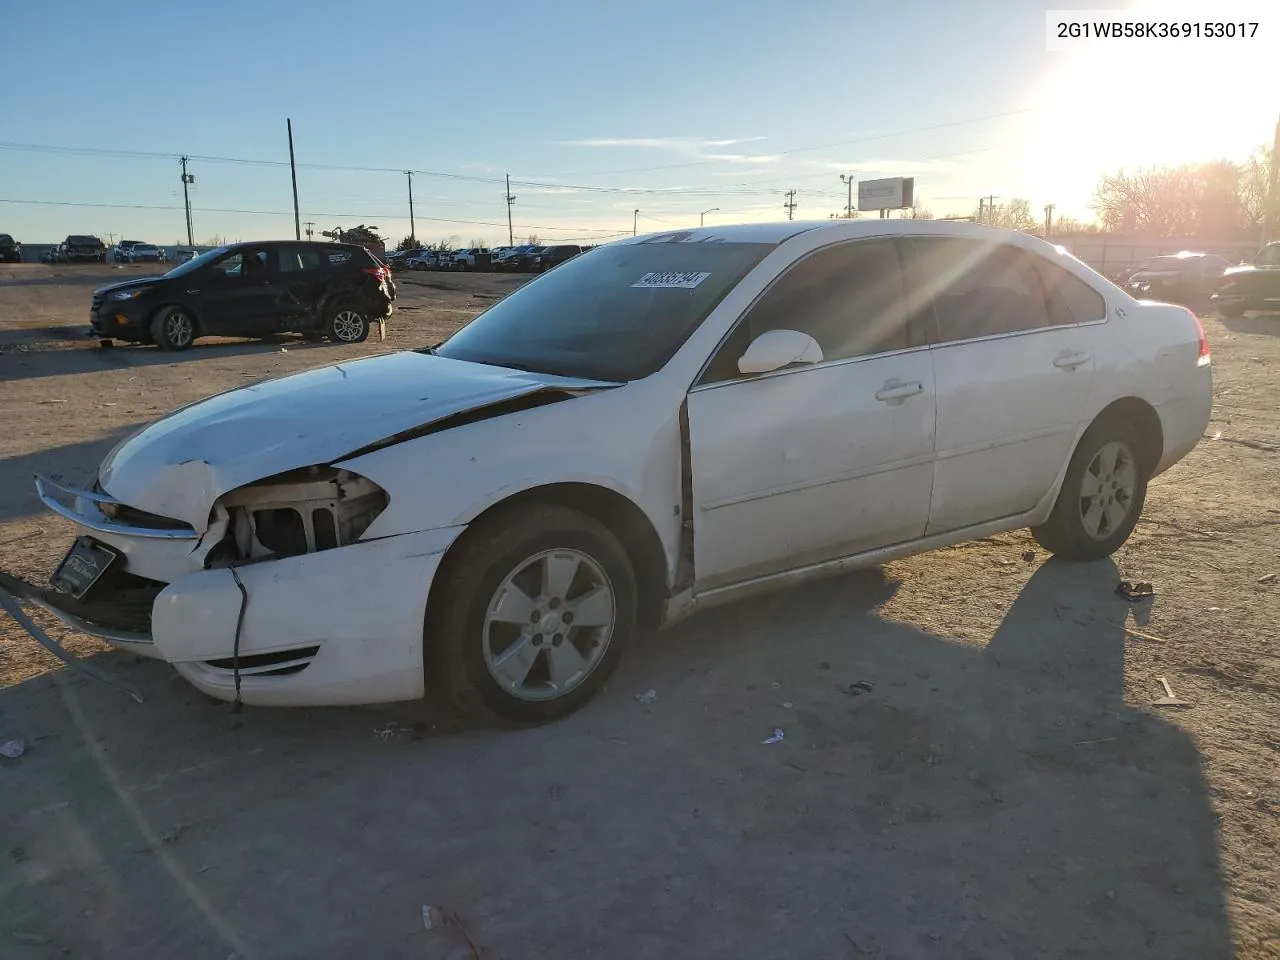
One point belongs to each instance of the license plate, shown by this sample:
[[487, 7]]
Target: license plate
[[83, 566]]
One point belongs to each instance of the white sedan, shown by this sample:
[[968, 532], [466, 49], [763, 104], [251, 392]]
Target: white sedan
[[662, 424]]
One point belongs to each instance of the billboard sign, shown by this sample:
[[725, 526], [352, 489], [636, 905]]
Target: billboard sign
[[891, 193]]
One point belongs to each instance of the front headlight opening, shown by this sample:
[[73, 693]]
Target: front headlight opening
[[305, 511], [128, 294]]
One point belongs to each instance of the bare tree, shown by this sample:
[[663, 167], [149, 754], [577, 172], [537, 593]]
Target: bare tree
[[443, 246], [1063, 225], [533, 241], [475, 243], [1014, 215]]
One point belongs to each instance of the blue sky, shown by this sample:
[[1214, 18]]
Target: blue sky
[[672, 108]]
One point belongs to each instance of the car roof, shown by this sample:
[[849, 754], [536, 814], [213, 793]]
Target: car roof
[[838, 229]]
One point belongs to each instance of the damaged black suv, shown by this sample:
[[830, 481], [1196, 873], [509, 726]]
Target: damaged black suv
[[333, 290]]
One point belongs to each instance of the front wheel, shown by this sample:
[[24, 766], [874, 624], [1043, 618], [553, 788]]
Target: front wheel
[[535, 611], [1102, 495], [173, 329], [346, 324]]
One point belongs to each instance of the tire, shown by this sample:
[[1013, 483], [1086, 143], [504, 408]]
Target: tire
[[1099, 504], [173, 328], [479, 632], [346, 324]]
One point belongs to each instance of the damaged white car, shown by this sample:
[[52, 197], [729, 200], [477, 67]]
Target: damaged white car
[[661, 424]]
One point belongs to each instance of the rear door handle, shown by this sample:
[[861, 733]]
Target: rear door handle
[[1069, 361], [896, 390]]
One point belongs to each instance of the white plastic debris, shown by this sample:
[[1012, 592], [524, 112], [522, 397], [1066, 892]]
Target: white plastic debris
[[787, 704], [284, 349], [648, 696], [13, 749], [431, 917], [1218, 435], [776, 738]]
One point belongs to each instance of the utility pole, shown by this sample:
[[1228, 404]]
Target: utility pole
[[310, 229], [412, 231], [791, 204], [293, 171], [702, 217], [511, 235], [991, 207], [187, 178], [635, 222], [848, 207], [1048, 219]]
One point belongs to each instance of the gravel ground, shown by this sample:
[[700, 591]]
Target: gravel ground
[[1004, 789]]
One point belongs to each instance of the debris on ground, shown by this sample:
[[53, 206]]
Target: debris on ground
[[1135, 591], [1268, 578], [1029, 556], [431, 917], [648, 696], [776, 738], [437, 918], [787, 705], [1168, 700], [13, 749], [387, 732], [1144, 636], [857, 689]]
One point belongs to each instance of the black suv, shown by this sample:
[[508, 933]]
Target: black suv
[[554, 256], [10, 249], [335, 290]]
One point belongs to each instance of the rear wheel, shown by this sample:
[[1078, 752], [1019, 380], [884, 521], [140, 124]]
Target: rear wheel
[[536, 609], [173, 329], [346, 324], [1102, 495], [1232, 310]]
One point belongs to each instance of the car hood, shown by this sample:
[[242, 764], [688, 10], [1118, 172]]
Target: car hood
[[178, 466], [1143, 275], [125, 285]]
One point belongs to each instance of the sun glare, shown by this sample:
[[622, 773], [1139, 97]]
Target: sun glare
[[1144, 102]]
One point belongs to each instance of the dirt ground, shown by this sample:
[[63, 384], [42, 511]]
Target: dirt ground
[[1005, 789]]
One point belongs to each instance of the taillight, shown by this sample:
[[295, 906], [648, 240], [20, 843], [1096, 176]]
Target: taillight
[[381, 274], [1203, 359]]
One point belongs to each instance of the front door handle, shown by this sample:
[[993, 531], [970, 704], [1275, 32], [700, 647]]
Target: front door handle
[[1069, 361], [895, 391]]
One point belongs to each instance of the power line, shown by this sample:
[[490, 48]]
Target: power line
[[288, 213]]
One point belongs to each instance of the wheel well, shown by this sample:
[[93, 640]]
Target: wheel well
[[1142, 416], [624, 520]]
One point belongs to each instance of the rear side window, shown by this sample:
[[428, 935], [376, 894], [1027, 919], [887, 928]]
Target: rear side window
[[296, 260], [978, 288], [1070, 299], [339, 257]]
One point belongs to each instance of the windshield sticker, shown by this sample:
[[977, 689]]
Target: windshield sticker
[[671, 280]]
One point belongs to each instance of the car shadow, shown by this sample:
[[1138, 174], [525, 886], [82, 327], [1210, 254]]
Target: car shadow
[[926, 798], [34, 363]]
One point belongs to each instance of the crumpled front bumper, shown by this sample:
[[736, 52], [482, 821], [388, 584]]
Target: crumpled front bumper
[[335, 627]]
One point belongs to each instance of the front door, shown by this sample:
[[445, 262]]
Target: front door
[[813, 462], [1014, 360], [241, 294], [301, 287]]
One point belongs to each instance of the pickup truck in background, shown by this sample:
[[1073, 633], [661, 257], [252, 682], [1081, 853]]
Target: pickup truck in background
[[82, 248]]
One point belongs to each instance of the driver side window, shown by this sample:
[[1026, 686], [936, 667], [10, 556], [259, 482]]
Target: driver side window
[[850, 298]]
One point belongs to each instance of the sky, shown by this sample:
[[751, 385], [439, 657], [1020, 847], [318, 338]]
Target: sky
[[595, 109]]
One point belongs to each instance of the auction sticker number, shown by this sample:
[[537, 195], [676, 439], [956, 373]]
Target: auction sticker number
[[671, 280]]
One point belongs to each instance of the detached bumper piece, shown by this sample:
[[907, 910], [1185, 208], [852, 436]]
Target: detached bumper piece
[[14, 592]]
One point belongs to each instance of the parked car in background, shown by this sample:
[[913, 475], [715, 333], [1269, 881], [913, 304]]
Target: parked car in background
[[1185, 278], [498, 254], [82, 248], [10, 249], [1252, 287], [473, 258], [423, 260], [521, 259], [722, 418], [182, 256], [52, 254], [145, 253], [334, 290], [550, 257], [398, 258], [120, 252]]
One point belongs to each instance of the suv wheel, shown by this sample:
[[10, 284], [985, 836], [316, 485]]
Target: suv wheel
[[173, 329], [346, 324]]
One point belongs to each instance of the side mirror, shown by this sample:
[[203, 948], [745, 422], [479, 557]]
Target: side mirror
[[775, 349]]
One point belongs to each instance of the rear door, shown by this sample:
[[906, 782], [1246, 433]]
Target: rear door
[[301, 287], [241, 294], [1013, 352]]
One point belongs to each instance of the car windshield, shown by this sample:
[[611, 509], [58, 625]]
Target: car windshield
[[195, 263], [1269, 257], [616, 313]]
